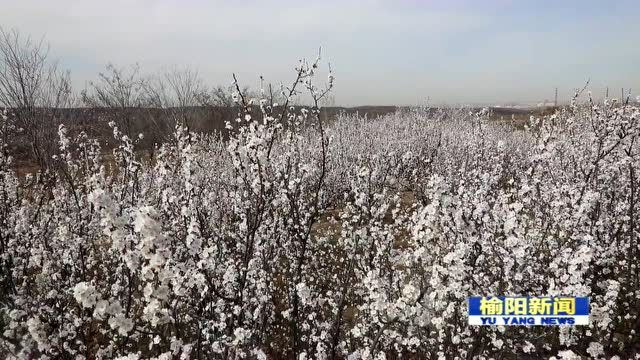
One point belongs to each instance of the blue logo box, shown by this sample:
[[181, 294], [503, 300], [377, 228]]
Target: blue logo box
[[525, 310]]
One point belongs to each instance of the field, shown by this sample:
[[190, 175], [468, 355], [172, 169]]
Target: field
[[295, 238], [157, 218]]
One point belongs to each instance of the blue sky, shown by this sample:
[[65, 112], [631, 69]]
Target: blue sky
[[382, 52]]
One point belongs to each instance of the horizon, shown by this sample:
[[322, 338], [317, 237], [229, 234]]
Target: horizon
[[383, 53]]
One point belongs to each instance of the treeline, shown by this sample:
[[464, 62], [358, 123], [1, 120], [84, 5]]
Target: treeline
[[39, 95]]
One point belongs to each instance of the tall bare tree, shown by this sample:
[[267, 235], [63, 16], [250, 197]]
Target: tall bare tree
[[35, 90], [120, 91], [179, 92]]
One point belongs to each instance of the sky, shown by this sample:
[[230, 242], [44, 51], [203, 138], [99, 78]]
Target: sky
[[382, 52]]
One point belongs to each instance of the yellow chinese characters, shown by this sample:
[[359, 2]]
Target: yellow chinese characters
[[567, 306], [528, 306], [540, 306], [515, 306], [490, 306]]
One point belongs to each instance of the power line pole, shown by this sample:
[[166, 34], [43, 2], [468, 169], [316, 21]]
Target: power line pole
[[555, 102]]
